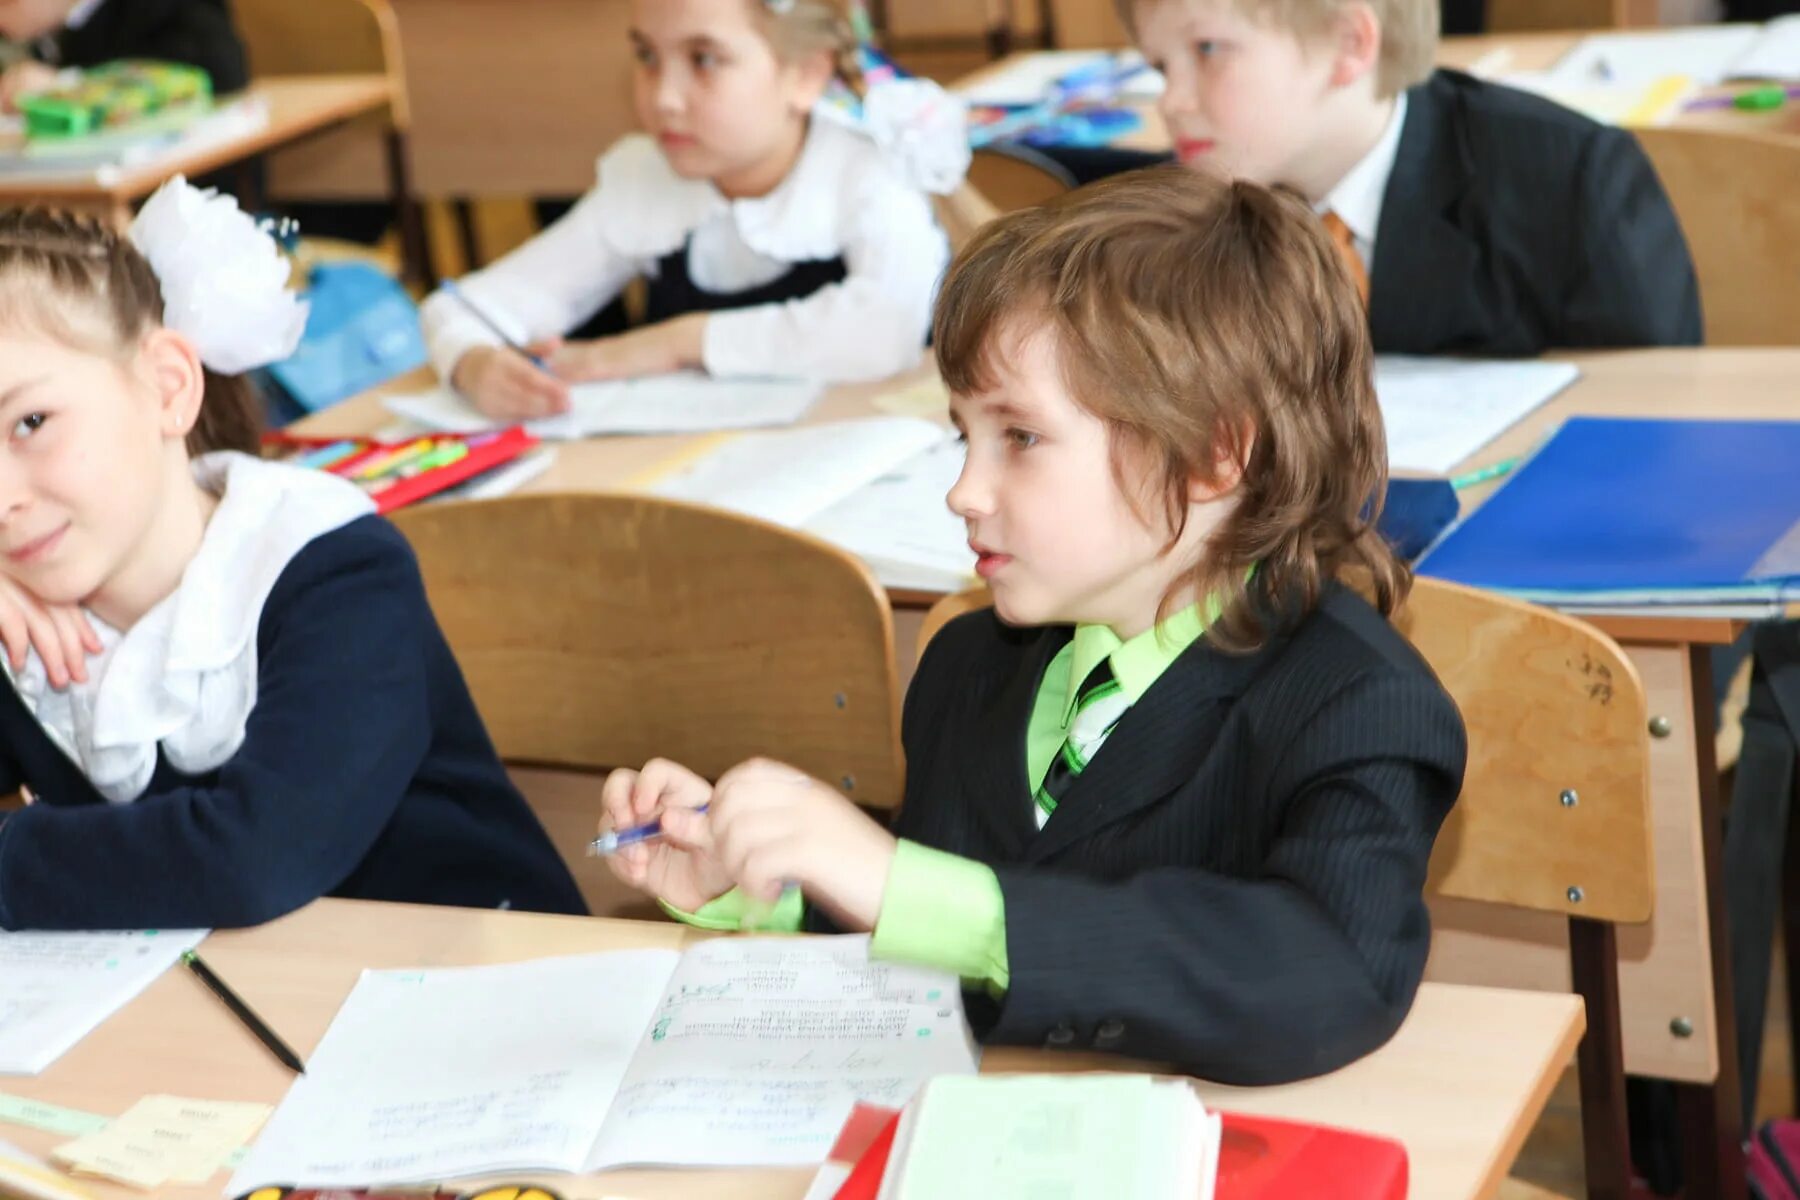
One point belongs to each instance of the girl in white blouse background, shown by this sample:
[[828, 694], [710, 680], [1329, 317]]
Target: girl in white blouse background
[[777, 235]]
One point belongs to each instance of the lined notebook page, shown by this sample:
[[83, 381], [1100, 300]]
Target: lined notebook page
[[1439, 411], [56, 987], [463, 1070], [762, 1046]]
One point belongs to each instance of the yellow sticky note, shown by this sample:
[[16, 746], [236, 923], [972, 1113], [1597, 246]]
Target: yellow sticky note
[[165, 1138]]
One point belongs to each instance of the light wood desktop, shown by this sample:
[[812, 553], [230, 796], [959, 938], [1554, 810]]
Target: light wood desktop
[[297, 106], [1460, 1084]]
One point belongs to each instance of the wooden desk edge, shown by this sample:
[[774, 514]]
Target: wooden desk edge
[[372, 93], [1533, 1104]]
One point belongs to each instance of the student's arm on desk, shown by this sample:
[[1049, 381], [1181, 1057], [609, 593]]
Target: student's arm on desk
[[340, 726], [939, 910], [1634, 284], [546, 287]]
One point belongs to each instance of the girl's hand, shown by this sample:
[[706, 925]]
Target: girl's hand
[[678, 867], [652, 350], [504, 384], [61, 634], [772, 825]]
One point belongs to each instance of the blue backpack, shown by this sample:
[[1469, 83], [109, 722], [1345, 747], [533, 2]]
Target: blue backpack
[[363, 330]]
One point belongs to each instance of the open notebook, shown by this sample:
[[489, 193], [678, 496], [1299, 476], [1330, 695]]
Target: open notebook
[[738, 1052], [874, 486]]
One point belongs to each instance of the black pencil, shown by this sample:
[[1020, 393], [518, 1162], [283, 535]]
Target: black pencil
[[263, 1033]]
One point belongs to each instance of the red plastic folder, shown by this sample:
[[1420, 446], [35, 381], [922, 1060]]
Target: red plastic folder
[[1260, 1159]]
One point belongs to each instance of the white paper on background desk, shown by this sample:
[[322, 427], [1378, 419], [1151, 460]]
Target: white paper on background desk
[[1707, 54], [1029, 78], [1439, 411], [685, 402], [902, 526], [743, 1051], [1774, 55], [791, 476], [56, 987]]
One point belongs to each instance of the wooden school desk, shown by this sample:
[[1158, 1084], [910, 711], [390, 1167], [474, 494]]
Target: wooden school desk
[[1460, 1084], [298, 107], [1676, 1009]]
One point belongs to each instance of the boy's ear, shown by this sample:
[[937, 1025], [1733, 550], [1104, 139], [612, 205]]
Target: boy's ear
[[173, 368], [1231, 455], [811, 75], [1357, 47]]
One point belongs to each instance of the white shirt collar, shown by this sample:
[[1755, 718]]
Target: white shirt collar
[[1357, 197], [81, 13], [650, 211], [184, 676]]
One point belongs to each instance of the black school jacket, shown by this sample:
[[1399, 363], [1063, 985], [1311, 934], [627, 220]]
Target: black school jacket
[[1511, 226], [1234, 884]]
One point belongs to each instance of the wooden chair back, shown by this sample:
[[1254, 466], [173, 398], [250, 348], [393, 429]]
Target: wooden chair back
[[1728, 189], [1554, 814], [600, 631], [324, 37], [1013, 177]]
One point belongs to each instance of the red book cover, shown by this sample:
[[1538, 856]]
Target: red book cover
[[1260, 1158]]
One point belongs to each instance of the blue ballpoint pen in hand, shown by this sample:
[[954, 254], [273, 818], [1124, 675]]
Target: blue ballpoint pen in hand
[[616, 840], [456, 293]]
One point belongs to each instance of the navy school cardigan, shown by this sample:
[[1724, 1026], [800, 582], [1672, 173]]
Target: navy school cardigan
[[365, 772]]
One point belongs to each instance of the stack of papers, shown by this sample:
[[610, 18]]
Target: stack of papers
[[165, 1140], [1055, 1135], [56, 987], [1706, 54], [104, 157], [685, 402], [739, 1052]]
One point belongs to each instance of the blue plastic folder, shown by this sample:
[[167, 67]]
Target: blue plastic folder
[[1640, 512]]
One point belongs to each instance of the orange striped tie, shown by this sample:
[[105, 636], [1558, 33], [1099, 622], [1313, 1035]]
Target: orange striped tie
[[1346, 245]]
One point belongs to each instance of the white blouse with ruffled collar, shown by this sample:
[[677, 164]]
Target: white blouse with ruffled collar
[[184, 676], [842, 198]]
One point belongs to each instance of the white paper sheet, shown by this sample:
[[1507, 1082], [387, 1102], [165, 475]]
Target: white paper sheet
[[1775, 55], [1439, 411], [1707, 54], [901, 525], [687, 402], [792, 476], [56, 987], [436, 1074], [762, 1046]]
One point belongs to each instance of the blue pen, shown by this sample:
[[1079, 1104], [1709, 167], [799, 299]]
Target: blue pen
[[618, 839], [493, 326]]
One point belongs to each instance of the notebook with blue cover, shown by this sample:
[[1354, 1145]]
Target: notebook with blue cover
[[1640, 512]]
